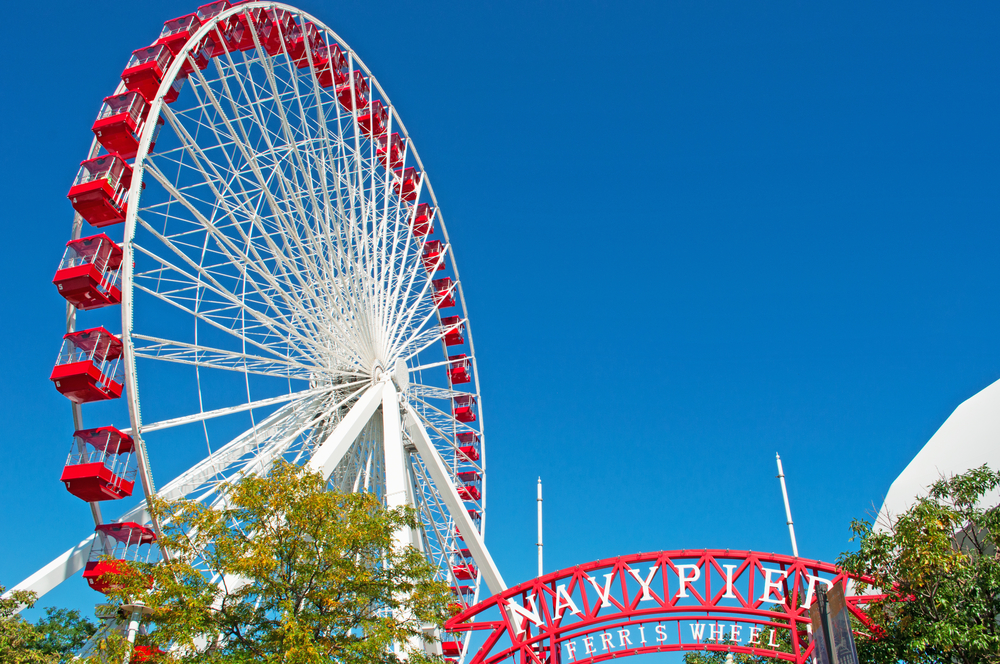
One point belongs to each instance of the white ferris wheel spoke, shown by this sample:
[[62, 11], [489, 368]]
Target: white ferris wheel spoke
[[235, 258], [218, 358], [211, 283], [221, 412]]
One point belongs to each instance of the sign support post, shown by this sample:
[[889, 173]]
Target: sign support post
[[831, 626]]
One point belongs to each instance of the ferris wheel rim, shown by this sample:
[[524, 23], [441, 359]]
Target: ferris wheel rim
[[133, 392], [181, 486]]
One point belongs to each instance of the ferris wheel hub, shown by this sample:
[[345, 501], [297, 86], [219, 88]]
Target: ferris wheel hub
[[402, 375]]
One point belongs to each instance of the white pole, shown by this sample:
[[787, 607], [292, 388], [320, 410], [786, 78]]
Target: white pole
[[788, 509], [136, 611], [539, 526]]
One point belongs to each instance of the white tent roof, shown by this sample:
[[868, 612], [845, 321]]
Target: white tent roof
[[969, 438]]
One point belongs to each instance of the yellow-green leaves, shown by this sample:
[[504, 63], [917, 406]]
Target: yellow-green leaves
[[938, 563], [289, 572]]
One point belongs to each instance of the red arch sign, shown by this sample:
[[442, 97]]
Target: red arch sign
[[738, 601]]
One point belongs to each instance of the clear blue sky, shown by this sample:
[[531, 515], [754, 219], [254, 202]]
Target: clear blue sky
[[692, 234]]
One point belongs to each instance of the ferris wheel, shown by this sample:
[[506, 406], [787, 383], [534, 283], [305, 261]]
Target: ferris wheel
[[256, 212]]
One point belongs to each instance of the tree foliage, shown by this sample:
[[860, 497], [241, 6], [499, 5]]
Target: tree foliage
[[51, 640], [19, 639], [63, 632], [939, 565], [308, 576]]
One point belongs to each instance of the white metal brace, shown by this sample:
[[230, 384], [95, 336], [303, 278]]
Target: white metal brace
[[449, 494]]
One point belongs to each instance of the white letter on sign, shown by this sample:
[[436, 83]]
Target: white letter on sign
[[563, 602], [684, 580], [607, 587], [812, 588], [729, 581], [571, 647], [771, 586], [644, 584], [518, 610]]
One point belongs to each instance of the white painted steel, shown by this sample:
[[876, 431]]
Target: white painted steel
[[256, 452], [397, 479], [270, 275], [788, 508], [438, 471], [332, 450], [539, 526], [57, 571]]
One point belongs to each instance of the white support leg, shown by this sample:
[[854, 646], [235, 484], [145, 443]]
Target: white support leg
[[397, 479], [58, 570], [397, 482], [442, 480], [328, 455]]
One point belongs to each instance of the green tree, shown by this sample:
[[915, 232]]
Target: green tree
[[310, 576], [19, 639], [53, 639], [63, 632], [939, 565]]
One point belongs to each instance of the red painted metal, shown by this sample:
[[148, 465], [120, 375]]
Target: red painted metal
[[215, 44], [468, 446], [88, 366], [100, 190], [88, 274], [120, 123], [147, 654], [100, 465], [432, 256], [277, 31], [444, 293], [465, 408], [330, 66], [175, 35], [459, 369], [145, 71], [466, 572], [656, 602], [423, 220], [454, 327], [374, 120], [394, 144], [406, 182], [238, 35], [118, 545], [303, 43], [360, 91]]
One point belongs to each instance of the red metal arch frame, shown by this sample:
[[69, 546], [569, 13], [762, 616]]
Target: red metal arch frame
[[738, 601]]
